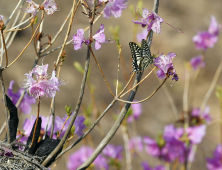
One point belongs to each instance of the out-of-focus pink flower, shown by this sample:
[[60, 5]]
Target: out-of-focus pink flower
[[197, 62], [207, 39], [142, 35], [165, 65], [42, 85], [205, 115], [137, 110], [215, 163], [28, 124], [196, 133], [147, 167], [151, 20], [114, 7], [136, 143], [26, 102], [50, 7], [79, 125], [151, 146], [1, 17], [114, 152], [79, 157]]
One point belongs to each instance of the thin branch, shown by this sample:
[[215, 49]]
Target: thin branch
[[139, 82], [6, 109], [212, 86], [121, 116], [102, 72], [125, 101], [26, 45], [6, 54], [68, 31], [117, 79]]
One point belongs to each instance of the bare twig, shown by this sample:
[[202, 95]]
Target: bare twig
[[121, 116], [210, 90], [6, 54]]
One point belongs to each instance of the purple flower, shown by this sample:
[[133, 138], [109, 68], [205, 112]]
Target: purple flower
[[136, 143], [50, 7], [165, 65], [197, 62], [42, 86], [147, 167], [114, 7], [137, 110], [78, 39], [215, 163], [142, 35], [32, 9], [205, 115], [27, 101], [151, 20], [99, 38], [79, 157], [196, 133], [207, 39], [28, 124], [151, 146], [79, 125], [114, 152]]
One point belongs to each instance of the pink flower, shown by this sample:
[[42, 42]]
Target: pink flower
[[151, 146], [215, 163], [151, 20], [137, 110], [136, 143], [42, 85], [50, 7], [207, 39], [165, 65], [114, 7], [32, 9], [80, 156], [196, 133], [142, 35], [99, 38], [205, 115], [197, 62], [114, 152], [147, 167]]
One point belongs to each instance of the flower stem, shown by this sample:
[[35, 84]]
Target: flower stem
[[36, 122]]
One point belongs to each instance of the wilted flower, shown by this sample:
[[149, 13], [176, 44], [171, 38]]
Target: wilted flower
[[137, 110], [165, 65], [26, 102], [42, 85], [151, 20], [99, 38], [136, 143], [197, 62], [114, 7], [207, 39], [79, 125], [215, 163], [79, 157], [114, 152], [147, 167]]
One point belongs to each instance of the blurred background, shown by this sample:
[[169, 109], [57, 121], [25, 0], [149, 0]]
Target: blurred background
[[188, 16]]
